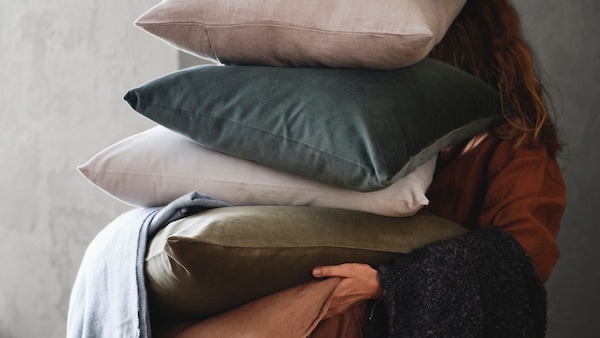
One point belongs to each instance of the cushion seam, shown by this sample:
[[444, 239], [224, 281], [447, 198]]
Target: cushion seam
[[299, 28], [303, 144]]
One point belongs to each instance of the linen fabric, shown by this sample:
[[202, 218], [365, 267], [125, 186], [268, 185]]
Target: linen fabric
[[335, 33], [358, 129], [219, 259], [268, 316], [109, 296], [156, 166]]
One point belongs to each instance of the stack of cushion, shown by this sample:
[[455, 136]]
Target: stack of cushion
[[321, 125]]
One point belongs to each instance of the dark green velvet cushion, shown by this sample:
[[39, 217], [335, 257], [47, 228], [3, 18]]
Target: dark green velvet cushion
[[215, 260], [361, 129]]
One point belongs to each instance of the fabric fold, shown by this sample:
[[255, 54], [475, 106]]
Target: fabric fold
[[109, 297], [294, 312]]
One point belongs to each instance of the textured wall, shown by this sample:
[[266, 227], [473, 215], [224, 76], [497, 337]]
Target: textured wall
[[566, 36], [64, 68]]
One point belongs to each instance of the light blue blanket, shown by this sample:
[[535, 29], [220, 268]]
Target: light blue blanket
[[109, 297]]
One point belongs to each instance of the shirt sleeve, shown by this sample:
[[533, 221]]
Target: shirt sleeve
[[526, 197]]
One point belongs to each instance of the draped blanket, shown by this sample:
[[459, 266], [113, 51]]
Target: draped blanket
[[481, 284], [109, 297]]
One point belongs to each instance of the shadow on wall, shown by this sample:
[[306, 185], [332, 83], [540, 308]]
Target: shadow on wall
[[5, 334]]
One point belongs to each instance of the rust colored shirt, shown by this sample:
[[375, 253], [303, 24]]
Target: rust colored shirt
[[520, 191]]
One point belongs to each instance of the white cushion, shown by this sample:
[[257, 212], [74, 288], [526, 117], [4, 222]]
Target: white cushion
[[381, 34], [154, 167]]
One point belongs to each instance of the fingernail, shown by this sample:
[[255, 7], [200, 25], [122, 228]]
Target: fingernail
[[317, 272]]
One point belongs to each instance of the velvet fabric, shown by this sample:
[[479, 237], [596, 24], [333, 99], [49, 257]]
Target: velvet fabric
[[358, 129], [205, 264]]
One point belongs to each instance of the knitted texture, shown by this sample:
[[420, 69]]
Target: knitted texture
[[481, 284]]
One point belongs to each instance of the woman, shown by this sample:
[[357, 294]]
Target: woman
[[507, 178], [504, 185]]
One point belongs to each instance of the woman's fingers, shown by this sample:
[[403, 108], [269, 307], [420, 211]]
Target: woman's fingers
[[342, 270], [346, 270]]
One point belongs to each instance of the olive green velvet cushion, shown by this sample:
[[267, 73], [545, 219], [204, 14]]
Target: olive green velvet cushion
[[216, 260], [360, 129]]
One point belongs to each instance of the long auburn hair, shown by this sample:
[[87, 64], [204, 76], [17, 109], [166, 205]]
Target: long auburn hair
[[485, 40]]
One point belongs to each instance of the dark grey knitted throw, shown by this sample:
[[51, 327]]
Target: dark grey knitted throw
[[481, 284]]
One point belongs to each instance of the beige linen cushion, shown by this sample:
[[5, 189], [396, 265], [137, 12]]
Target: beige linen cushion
[[154, 167], [331, 33], [219, 259]]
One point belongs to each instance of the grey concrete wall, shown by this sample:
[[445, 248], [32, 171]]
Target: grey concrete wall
[[64, 67], [566, 37]]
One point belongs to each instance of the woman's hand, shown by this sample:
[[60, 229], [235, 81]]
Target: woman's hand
[[359, 282]]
